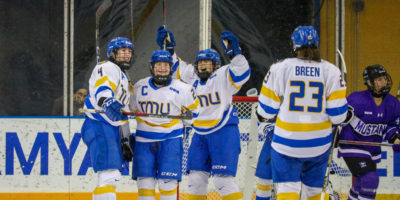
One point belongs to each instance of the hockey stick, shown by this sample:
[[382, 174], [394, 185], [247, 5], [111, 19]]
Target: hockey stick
[[398, 91], [336, 129], [167, 39], [186, 115], [99, 12], [364, 143], [343, 68]]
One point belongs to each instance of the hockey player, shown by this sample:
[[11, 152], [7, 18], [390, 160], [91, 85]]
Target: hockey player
[[264, 171], [376, 118], [108, 90], [158, 150], [215, 146], [306, 96]]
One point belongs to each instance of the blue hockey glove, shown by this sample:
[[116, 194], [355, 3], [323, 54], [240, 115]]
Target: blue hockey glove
[[112, 108], [267, 129], [230, 43], [165, 36]]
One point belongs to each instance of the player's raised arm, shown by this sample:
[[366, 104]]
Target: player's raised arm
[[180, 69], [239, 69]]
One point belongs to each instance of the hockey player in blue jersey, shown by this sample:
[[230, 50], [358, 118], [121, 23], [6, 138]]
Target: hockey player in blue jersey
[[158, 149], [215, 146], [109, 91], [306, 96], [264, 170], [377, 115]]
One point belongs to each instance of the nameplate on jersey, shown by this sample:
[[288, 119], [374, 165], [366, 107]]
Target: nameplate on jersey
[[307, 71], [365, 129]]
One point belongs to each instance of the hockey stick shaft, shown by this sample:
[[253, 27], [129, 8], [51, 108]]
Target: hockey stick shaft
[[336, 134], [167, 39], [364, 143], [99, 12], [139, 114], [343, 68]]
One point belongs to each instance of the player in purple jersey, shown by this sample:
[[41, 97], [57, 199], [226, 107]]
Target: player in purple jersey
[[376, 118]]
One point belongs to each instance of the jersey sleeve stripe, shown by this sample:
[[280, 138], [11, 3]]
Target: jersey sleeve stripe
[[103, 88], [270, 94], [167, 125], [340, 94], [302, 127], [303, 143], [268, 109], [195, 105], [233, 83], [239, 78], [103, 80], [337, 111]]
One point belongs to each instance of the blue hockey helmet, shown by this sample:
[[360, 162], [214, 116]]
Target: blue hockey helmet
[[161, 56], [118, 42], [208, 54], [305, 36]]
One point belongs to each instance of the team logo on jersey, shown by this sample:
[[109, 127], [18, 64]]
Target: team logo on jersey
[[363, 164], [380, 114]]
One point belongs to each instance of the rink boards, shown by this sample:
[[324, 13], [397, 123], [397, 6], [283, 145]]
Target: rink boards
[[45, 158]]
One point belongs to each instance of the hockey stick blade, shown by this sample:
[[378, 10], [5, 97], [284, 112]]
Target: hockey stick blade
[[353, 142], [186, 115]]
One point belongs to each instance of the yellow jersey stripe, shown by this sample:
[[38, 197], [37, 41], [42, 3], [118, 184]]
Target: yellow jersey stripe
[[196, 197], [168, 125], [103, 80], [104, 189], [288, 195], [147, 192], [233, 83], [195, 105], [168, 192], [303, 127], [206, 123], [233, 196], [340, 94], [270, 94], [264, 187]]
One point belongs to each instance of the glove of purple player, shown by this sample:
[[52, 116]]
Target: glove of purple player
[[112, 108], [165, 36], [395, 140], [230, 43]]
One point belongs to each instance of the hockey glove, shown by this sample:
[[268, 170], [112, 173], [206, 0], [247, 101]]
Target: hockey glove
[[230, 43], [112, 108], [395, 138], [126, 150], [349, 117], [267, 129], [165, 36]]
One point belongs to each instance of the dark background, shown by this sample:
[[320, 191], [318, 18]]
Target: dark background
[[32, 41]]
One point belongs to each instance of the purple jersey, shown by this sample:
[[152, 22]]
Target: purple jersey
[[371, 123]]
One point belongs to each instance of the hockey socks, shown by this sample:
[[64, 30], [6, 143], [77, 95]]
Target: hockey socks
[[264, 188]]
